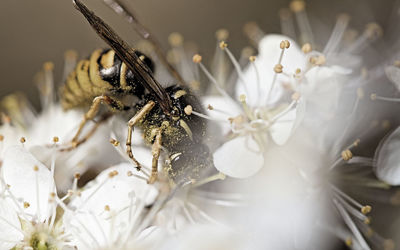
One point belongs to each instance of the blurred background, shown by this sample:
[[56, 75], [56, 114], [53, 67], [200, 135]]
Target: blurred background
[[33, 32]]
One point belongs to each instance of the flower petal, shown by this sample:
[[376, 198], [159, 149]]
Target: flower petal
[[387, 158], [9, 223], [239, 158], [283, 127], [393, 74], [27, 184]]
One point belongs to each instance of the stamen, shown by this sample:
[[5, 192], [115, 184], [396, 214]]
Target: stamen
[[349, 222], [36, 170], [207, 117], [337, 34], [110, 175], [70, 60], [224, 46], [375, 97], [253, 32], [219, 176], [285, 111], [252, 60], [197, 59], [47, 86], [278, 67], [372, 32], [298, 7], [287, 26], [364, 209]]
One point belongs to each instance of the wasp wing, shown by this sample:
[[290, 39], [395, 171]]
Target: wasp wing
[[120, 9], [127, 55]]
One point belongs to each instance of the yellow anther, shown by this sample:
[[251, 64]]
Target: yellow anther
[[26, 204], [388, 244], [356, 142], [188, 110], [344, 17], [366, 209], [349, 242], [175, 39], [77, 176], [223, 45], [285, 44], [347, 154], [197, 58], [209, 107], [1, 137], [318, 60], [247, 52], [360, 93], [297, 6], [129, 173], [296, 96], [48, 66], [278, 68], [373, 97], [222, 34], [22, 140], [107, 208], [369, 232], [242, 98], [252, 58], [56, 139], [373, 30], [386, 124], [52, 195], [306, 48], [397, 63], [114, 142], [113, 173], [35, 168], [367, 221], [71, 54]]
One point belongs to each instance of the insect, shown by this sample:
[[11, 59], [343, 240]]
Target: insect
[[163, 114]]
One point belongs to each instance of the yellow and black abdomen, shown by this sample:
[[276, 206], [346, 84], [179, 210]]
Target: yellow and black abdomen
[[103, 73]]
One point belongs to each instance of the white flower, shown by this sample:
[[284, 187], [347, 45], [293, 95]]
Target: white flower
[[110, 212], [27, 203]]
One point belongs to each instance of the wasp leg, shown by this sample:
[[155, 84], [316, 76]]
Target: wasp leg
[[138, 116], [91, 113], [155, 151]]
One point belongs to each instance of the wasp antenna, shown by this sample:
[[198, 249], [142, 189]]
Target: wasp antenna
[[120, 9], [127, 55]]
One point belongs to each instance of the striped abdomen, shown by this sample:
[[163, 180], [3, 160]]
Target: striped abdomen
[[102, 73]]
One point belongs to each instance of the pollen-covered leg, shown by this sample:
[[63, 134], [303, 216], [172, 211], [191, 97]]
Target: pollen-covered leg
[[92, 112], [155, 150], [138, 116]]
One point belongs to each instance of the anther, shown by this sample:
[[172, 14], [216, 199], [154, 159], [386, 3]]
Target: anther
[[347, 155], [367, 221], [373, 97], [285, 44], [349, 241], [388, 244], [56, 139], [386, 124], [113, 173], [222, 34], [22, 140], [35, 168], [360, 93], [107, 208], [356, 142], [397, 63], [223, 45], [129, 173], [252, 58], [373, 30], [26, 204], [298, 71], [366, 209], [114, 142], [48, 66], [175, 39], [71, 54], [306, 48], [209, 107], [1, 137], [77, 176], [242, 98], [297, 6], [278, 68], [188, 110], [197, 58], [318, 60], [296, 96]]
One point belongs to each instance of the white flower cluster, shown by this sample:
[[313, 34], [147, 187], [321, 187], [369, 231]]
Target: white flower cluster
[[292, 165]]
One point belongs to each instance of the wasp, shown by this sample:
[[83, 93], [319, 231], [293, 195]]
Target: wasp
[[163, 114]]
